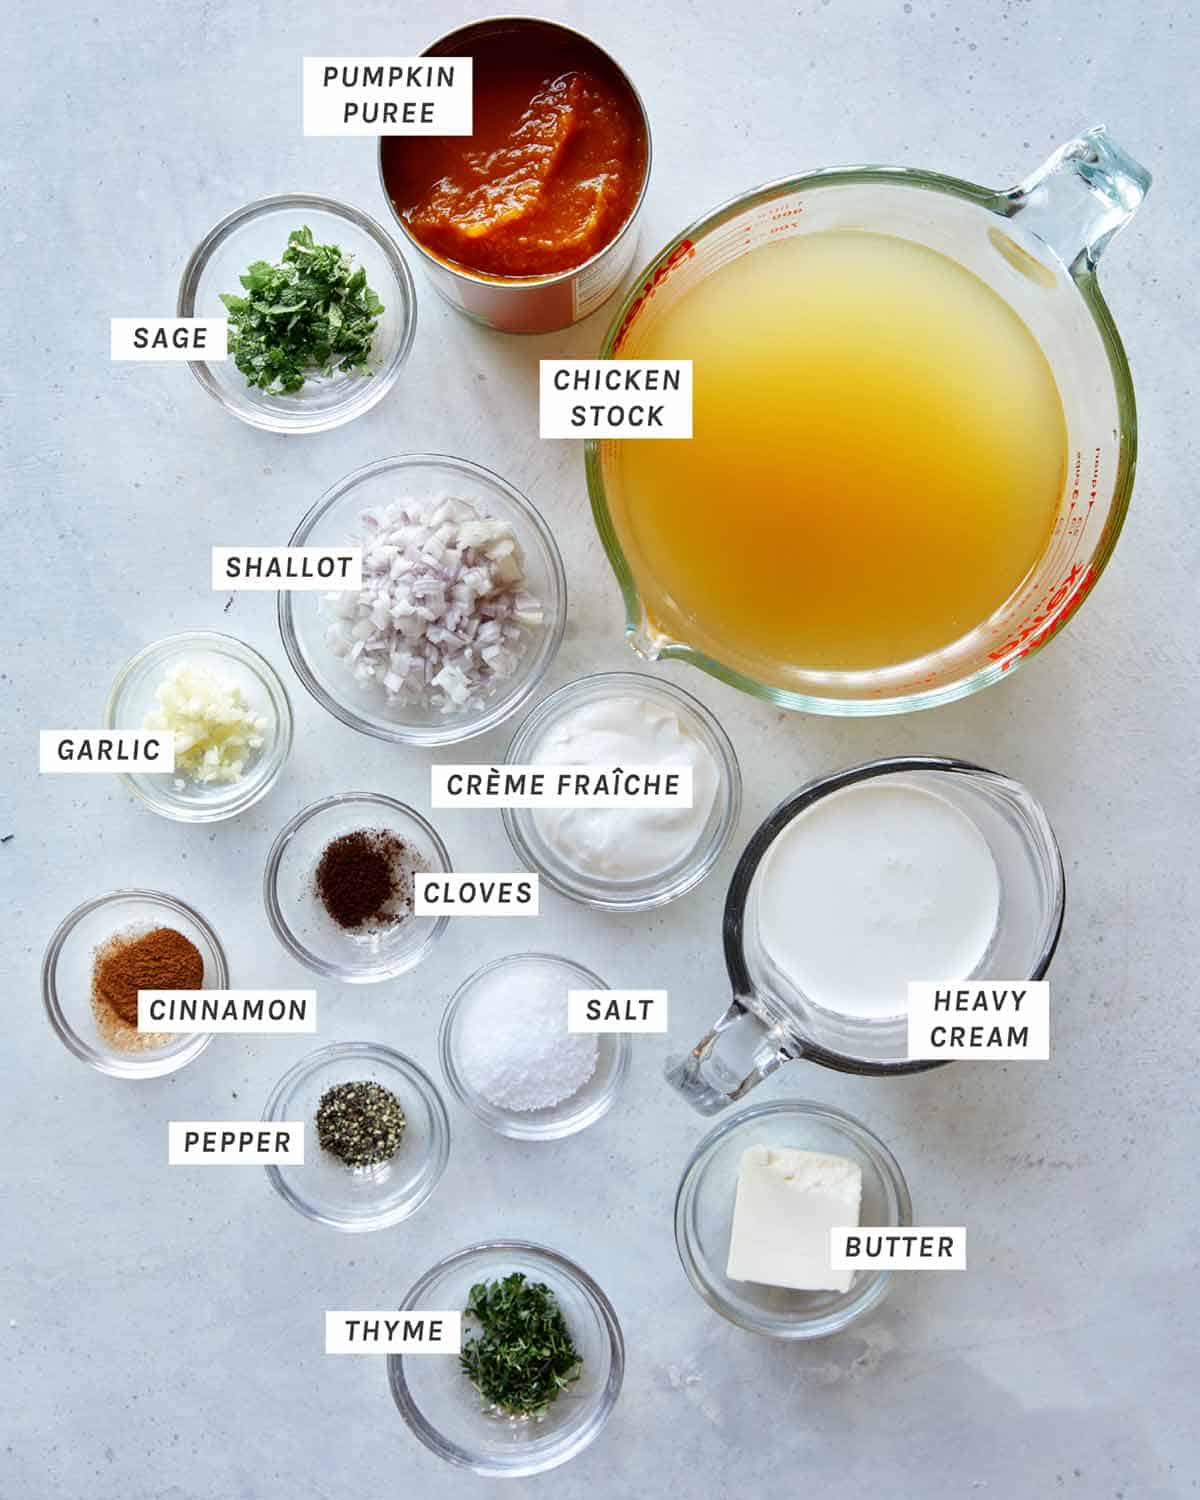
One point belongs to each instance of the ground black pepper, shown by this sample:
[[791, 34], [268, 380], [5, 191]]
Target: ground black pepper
[[365, 878], [360, 1123]]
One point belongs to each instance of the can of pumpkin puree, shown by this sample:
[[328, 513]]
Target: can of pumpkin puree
[[555, 172]]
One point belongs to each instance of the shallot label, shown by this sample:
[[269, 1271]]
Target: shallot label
[[560, 786], [95, 751], [626, 398], [263, 569], [388, 96]]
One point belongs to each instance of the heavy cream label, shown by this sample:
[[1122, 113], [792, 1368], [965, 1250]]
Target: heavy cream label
[[388, 95], [560, 786], [251, 1012], [85, 751], [393, 1332], [244, 1143], [169, 338], [617, 1010], [1005, 1019], [267, 569], [627, 398], [454, 895], [938, 1248]]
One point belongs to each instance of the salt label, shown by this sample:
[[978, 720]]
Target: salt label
[[388, 95], [247, 1012], [204, 339], [454, 895], [96, 751], [560, 786], [928, 1248], [627, 398], [222, 1143], [617, 1010], [295, 569], [393, 1332], [1004, 1019]]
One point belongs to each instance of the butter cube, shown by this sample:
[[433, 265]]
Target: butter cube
[[787, 1202]]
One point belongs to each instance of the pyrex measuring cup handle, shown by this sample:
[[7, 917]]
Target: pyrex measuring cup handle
[[1075, 202], [707, 1082]]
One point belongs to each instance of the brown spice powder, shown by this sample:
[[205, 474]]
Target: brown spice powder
[[161, 959]]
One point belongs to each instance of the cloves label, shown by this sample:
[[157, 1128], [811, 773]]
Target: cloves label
[[453, 895]]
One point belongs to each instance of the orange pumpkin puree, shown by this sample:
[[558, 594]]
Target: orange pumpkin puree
[[553, 170]]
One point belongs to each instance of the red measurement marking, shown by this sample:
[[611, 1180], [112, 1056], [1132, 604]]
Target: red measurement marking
[[1050, 618], [685, 250]]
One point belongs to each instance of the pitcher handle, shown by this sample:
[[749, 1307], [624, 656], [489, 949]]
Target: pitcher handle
[[707, 1082], [1075, 202]]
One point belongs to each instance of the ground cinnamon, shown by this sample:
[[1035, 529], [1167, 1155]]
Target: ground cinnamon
[[161, 959]]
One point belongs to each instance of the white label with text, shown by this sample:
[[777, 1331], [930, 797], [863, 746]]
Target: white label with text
[[169, 338], [266, 569], [927, 1248], [388, 96], [560, 786], [89, 751], [454, 895], [243, 1143], [999, 1018], [250, 1012], [628, 398], [617, 1010], [393, 1332]]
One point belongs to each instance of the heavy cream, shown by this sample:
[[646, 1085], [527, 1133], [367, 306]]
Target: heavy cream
[[634, 843], [871, 887]]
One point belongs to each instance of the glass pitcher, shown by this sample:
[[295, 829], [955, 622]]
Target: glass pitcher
[[769, 1021], [1037, 245]]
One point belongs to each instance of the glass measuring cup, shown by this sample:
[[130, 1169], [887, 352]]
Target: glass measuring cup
[[1037, 246], [769, 1021]]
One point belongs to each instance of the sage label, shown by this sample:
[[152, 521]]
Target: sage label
[[169, 338]]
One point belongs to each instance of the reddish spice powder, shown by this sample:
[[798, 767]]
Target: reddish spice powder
[[161, 959], [364, 878]]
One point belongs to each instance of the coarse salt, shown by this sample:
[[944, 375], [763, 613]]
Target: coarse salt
[[514, 1047]]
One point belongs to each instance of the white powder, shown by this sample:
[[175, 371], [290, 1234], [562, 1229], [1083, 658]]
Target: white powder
[[514, 1046]]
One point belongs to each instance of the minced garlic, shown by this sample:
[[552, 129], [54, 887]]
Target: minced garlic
[[217, 732]]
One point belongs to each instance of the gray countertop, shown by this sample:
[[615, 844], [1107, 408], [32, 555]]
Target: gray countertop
[[163, 1328]]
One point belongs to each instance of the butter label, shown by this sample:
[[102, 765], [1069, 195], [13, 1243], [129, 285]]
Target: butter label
[[204, 339], [388, 95], [96, 751], [245, 1143], [453, 895], [625, 398], [248, 1012], [617, 1010], [928, 1248], [393, 1332], [297, 569], [560, 786], [1005, 1019]]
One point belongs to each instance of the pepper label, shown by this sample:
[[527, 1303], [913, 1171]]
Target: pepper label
[[222, 1143]]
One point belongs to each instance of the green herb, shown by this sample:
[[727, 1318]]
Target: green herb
[[360, 1123], [523, 1354], [311, 312]]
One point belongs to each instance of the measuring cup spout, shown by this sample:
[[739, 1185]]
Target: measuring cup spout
[[1078, 199], [707, 1081]]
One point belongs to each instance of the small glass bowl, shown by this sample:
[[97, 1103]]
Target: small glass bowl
[[260, 232], [67, 978], [334, 521], [300, 921], [357, 1199], [444, 1409], [132, 697], [704, 1216], [521, 823], [569, 1116]]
